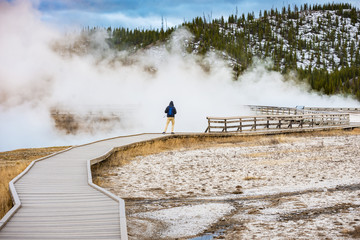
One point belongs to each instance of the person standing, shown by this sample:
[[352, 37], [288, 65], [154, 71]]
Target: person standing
[[170, 111]]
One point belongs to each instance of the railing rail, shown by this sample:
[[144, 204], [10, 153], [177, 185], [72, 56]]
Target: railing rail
[[327, 109], [273, 110], [253, 123]]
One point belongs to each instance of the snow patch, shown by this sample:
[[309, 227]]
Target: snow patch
[[188, 220]]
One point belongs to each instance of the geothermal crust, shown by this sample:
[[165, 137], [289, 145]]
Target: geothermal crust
[[291, 187]]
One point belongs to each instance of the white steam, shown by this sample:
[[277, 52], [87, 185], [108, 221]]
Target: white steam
[[42, 69]]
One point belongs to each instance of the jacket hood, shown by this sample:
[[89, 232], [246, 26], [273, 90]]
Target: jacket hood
[[171, 104]]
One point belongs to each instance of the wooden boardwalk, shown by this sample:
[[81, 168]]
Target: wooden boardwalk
[[284, 119], [261, 122], [58, 200]]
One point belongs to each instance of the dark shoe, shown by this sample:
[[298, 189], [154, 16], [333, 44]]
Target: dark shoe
[[163, 132], [172, 133]]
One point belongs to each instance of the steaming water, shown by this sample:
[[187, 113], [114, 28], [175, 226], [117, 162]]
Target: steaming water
[[42, 69]]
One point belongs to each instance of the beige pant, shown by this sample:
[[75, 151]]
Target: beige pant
[[172, 120]]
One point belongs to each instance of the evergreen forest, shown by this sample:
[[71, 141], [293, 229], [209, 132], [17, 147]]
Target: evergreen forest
[[321, 43]]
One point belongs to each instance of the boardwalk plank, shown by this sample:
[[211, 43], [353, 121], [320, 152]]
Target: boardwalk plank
[[58, 203]]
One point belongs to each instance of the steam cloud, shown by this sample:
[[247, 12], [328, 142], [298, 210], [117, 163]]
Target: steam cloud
[[43, 70]]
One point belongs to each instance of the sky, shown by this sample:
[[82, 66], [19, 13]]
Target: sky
[[151, 14]]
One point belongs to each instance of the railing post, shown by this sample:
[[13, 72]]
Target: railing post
[[209, 127], [240, 125], [312, 120], [301, 122], [225, 127]]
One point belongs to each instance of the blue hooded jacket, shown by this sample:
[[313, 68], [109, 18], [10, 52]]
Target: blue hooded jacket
[[170, 110]]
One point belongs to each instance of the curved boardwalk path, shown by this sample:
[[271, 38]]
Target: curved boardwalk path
[[57, 202]]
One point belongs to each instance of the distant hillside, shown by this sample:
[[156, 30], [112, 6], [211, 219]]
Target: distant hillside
[[319, 42]]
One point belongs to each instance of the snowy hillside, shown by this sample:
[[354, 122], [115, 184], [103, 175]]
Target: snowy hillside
[[322, 39], [320, 43]]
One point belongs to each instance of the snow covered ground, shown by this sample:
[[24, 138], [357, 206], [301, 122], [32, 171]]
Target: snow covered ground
[[281, 188]]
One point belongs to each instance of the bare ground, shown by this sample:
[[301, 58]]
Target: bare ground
[[293, 187]]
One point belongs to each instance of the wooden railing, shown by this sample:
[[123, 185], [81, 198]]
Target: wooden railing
[[323, 109], [272, 110], [261, 122]]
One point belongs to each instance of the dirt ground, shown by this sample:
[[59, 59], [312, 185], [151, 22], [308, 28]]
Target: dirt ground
[[294, 187]]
